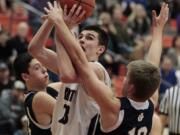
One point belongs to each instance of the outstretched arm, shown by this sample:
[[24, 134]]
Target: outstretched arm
[[97, 89], [60, 64], [159, 22], [67, 71], [155, 51]]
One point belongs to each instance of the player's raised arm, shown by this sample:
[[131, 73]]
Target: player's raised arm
[[155, 50], [65, 67], [38, 50], [159, 22], [48, 57]]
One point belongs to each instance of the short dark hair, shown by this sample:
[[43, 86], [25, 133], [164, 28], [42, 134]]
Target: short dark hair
[[103, 36], [21, 65], [145, 77]]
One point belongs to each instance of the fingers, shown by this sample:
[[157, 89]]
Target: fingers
[[65, 10], [71, 12], [55, 4], [82, 14], [46, 10], [154, 15], [164, 14], [50, 5], [78, 11], [164, 8]]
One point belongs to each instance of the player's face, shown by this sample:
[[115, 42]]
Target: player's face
[[38, 76], [89, 42]]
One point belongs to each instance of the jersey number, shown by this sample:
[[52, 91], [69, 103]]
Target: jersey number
[[64, 119], [140, 131]]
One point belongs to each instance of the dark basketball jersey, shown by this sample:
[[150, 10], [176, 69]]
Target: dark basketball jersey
[[34, 127], [133, 121], [94, 128]]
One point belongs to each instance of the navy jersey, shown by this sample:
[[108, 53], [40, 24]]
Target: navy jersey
[[94, 128], [133, 121], [34, 127]]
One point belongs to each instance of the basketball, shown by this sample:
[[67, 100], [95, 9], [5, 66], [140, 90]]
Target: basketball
[[87, 5]]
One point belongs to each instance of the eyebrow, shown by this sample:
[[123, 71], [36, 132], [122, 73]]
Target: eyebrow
[[89, 34], [36, 64]]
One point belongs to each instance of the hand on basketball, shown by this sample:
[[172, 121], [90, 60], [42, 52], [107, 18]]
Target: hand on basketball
[[54, 12], [160, 21], [74, 16]]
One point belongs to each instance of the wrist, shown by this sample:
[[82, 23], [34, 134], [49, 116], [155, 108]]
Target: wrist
[[58, 21], [158, 30], [49, 23]]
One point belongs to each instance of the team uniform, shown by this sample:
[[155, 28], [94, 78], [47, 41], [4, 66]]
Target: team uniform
[[170, 107], [34, 127], [75, 110], [134, 118]]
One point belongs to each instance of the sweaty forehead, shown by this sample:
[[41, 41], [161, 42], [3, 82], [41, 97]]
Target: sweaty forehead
[[89, 32]]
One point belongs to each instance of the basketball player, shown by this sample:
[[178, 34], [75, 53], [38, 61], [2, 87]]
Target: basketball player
[[74, 108], [131, 114], [40, 98]]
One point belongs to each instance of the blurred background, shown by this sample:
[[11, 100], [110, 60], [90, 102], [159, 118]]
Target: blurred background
[[128, 23]]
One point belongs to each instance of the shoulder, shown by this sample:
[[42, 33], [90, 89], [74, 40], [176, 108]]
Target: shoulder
[[41, 100], [56, 86]]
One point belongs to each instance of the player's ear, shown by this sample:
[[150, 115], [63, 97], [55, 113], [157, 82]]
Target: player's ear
[[24, 76], [101, 49], [131, 89]]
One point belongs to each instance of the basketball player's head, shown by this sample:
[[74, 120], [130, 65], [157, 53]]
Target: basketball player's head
[[142, 80], [94, 42], [31, 71]]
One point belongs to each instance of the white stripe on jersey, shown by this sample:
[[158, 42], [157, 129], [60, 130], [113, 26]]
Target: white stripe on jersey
[[35, 123], [170, 105]]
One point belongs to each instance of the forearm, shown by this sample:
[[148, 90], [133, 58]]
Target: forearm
[[37, 49], [65, 67], [155, 97], [38, 41], [163, 122], [155, 50]]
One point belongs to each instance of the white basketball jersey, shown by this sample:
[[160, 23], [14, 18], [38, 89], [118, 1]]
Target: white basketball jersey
[[74, 109]]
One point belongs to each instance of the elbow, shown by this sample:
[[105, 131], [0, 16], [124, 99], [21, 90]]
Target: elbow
[[34, 50], [31, 49]]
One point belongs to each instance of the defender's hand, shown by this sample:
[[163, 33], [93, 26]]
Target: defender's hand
[[74, 16]]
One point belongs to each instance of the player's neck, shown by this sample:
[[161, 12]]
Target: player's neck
[[35, 89], [93, 59], [135, 99]]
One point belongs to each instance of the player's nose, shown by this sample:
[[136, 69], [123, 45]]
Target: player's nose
[[81, 41]]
